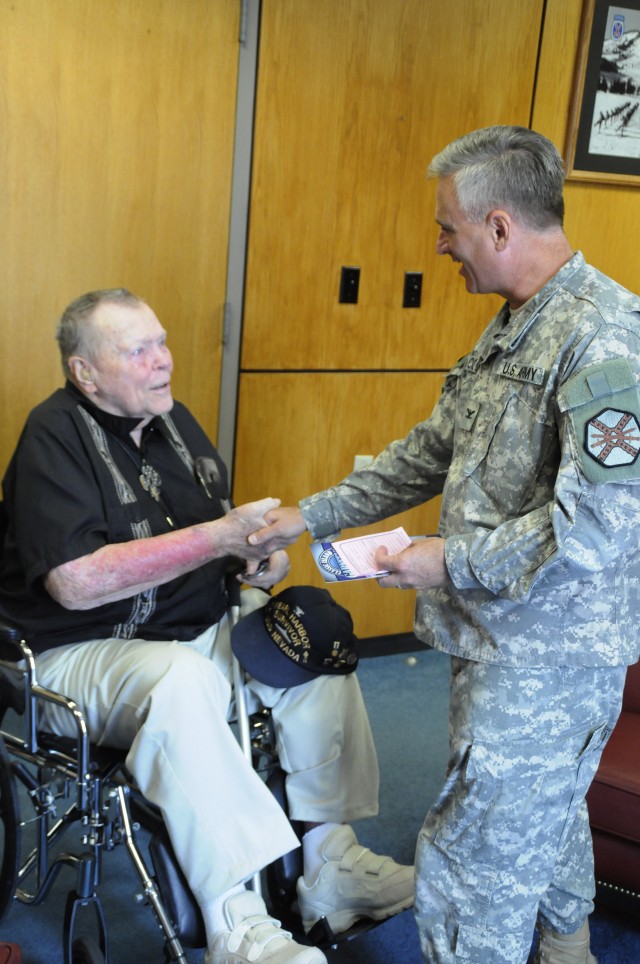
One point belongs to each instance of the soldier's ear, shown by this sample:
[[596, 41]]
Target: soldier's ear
[[500, 226]]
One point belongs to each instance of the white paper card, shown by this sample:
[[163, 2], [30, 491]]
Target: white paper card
[[348, 559]]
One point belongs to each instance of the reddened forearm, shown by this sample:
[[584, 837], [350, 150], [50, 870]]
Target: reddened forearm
[[122, 570]]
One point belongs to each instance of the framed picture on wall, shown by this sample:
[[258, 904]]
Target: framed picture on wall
[[603, 137]]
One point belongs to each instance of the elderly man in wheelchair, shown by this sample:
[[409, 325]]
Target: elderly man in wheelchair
[[119, 532]]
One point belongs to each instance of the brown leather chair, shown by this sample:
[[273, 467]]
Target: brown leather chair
[[614, 798]]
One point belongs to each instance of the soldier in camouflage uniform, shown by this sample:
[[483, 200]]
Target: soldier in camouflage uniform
[[532, 583]]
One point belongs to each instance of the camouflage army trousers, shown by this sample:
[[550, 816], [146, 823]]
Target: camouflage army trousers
[[508, 842]]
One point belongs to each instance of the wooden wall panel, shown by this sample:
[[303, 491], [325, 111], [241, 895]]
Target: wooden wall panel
[[301, 433], [116, 133], [350, 109], [601, 219]]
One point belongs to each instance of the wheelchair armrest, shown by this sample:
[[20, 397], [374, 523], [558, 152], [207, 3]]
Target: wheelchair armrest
[[20, 691], [10, 639], [14, 656]]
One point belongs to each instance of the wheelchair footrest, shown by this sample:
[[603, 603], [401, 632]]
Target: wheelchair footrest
[[321, 935]]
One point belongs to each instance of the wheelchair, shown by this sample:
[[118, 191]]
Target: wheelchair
[[82, 803]]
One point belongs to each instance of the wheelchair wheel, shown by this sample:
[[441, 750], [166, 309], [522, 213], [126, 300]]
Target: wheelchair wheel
[[86, 951], [9, 831]]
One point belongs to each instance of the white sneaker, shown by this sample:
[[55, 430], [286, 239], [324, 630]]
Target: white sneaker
[[354, 883], [254, 937]]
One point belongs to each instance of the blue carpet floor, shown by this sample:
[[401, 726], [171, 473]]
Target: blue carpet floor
[[407, 699]]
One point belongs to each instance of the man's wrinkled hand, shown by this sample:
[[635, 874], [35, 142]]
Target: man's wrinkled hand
[[240, 522], [266, 573]]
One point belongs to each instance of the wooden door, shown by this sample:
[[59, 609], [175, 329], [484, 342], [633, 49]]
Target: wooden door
[[350, 109], [116, 133], [353, 100]]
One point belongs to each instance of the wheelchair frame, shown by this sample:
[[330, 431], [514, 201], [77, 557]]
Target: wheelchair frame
[[92, 791], [71, 783]]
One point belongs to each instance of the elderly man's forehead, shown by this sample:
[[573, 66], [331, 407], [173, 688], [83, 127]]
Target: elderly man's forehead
[[106, 311], [110, 317], [114, 328]]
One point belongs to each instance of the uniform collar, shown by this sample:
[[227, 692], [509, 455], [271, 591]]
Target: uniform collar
[[506, 330], [525, 317]]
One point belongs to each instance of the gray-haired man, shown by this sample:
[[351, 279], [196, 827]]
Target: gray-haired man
[[532, 583]]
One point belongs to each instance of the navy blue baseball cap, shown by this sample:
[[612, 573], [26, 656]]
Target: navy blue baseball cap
[[298, 635]]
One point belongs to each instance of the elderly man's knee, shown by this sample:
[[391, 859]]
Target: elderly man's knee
[[186, 674]]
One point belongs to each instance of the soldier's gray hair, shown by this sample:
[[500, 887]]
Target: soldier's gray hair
[[505, 167], [74, 334]]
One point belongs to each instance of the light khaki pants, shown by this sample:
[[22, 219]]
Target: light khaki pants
[[168, 702]]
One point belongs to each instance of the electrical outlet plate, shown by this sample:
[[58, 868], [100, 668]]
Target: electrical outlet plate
[[349, 285], [412, 296]]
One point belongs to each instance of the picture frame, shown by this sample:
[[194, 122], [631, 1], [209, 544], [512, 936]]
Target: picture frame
[[603, 134]]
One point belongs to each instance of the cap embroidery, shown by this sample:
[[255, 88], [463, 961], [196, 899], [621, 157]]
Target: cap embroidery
[[297, 635]]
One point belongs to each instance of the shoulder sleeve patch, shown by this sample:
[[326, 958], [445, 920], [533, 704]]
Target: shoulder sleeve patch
[[603, 405]]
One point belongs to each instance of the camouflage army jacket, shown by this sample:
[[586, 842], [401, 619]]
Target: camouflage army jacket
[[534, 445]]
